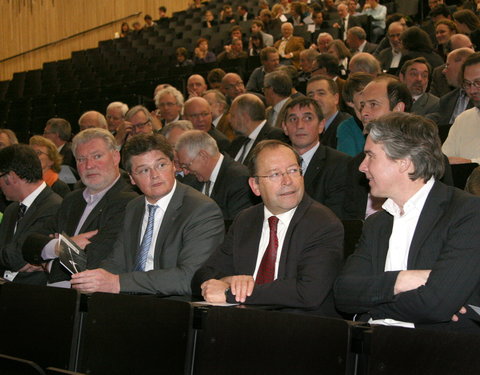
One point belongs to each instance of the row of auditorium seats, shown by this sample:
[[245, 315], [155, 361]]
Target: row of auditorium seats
[[104, 334]]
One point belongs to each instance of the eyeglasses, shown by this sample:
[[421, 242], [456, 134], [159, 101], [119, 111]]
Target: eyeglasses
[[140, 126], [467, 85], [146, 171], [277, 176], [445, 66], [187, 166]]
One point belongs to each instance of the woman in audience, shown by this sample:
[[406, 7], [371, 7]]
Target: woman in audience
[[417, 43], [124, 29], [255, 45], [340, 50], [350, 133], [182, 58], [444, 29], [196, 4], [209, 20], [469, 24], [51, 161], [202, 54]]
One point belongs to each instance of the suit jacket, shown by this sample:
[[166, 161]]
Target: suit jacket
[[446, 241], [369, 48], [385, 58], [107, 217], [439, 85], [222, 141], [325, 178], [329, 136], [424, 104], [267, 132], [191, 229], [309, 261], [294, 45], [231, 190], [443, 111], [43, 208], [67, 155]]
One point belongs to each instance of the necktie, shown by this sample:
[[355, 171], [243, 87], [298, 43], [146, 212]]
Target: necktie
[[146, 241], [207, 187], [266, 271], [241, 158], [21, 211]]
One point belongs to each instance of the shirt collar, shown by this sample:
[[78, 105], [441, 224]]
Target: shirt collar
[[164, 201], [253, 135], [284, 218], [30, 198], [214, 175], [92, 198]]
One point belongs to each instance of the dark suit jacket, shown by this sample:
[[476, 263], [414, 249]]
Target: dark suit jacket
[[267, 132], [370, 48], [309, 262], [443, 111], [191, 229], [67, 154], [446, 241], [385, 58], [231, 190], [222, 141], [107, 217], [325, 178], [43, 208], [424, 104], [329, 136]]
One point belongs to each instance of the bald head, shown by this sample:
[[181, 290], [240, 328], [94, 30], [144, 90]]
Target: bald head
[[92, 119], [232, 85], [196, 85], [198, 112], [459, 41]]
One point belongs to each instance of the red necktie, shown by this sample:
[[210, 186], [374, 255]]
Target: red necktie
[[266, 271]]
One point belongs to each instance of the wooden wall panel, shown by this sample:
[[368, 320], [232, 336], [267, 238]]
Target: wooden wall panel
[[27, 24]]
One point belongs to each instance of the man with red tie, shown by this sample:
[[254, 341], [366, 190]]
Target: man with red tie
[[286, 251]]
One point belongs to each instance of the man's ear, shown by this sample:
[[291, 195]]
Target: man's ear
[[252, 181], [131, 179], [400, 107], [405, 165]]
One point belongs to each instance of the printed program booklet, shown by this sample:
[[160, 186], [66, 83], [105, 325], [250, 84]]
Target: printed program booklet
[[71, 256]]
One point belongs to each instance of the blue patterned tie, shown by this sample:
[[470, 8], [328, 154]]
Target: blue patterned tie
[[147, 240]]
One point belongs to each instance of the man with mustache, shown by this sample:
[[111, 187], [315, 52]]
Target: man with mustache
[[415, 74]]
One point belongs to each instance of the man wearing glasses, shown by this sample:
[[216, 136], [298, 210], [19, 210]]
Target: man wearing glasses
[[286, 251], [167, 234], [461, 145], [138, 120]]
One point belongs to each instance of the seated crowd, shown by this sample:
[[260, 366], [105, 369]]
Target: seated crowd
[[235, 190]]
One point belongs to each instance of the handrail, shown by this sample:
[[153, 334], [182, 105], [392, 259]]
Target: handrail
[[70, 37]]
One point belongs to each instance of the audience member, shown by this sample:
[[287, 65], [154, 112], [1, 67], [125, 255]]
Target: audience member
[[270, 59], [277, 88], [233, 51], [338, 49], [364, 62], [177, 238], [217, 176], [357, 41], [92, 119], [444, 29], [148, 21], [59, 131], [419, 274], [295, 270], [226, 14], [209, 20], [124, 29], [232, 86], [289, 47], [324, 169], [255, 44], [323, 40], [346, 21], [196, 85], [258, 26], [390, 57], [243, 14], [378, 13], [34, 203], [115, 115], [181, 55], [214, 78], [169, 102], [220, 115], [469, 24], [417, 43], [201, 54]]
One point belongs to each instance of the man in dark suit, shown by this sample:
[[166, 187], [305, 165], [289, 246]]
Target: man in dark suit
[[324, 169], [34, 204], [346, 21], [198, 112], [390, 57], [417, 261], [286, 251], [357, 41], [247, 116], [167, 234], [324, 91], [92, 216], [415, 74], [217, 176]]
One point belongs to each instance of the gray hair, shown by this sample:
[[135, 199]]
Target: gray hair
[[138, 108], [194, 141], [252, 105], [180, 124], [280, 83], [358, 32], [93, 133], [101, 120], [123, 107], [219, 97], [61, 127], [365, 62], [172, 91], [408, 136]]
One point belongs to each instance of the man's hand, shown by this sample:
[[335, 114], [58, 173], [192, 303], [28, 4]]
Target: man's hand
[[123, 131], [241, 286], [83, 239], [213, 291], [409, 280], [455, 317], [30, 268], [97, 280], [458, 160]]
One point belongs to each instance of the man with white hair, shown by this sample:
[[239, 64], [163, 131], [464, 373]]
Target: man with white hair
[[115, 115], [169, 102]]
